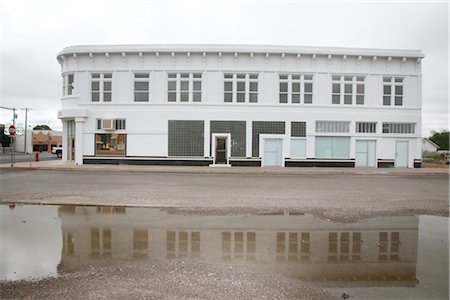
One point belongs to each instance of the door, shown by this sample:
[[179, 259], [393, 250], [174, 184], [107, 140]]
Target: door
[[401, 154], [272, 153], [365, 153], [71, 149], [221, 151]]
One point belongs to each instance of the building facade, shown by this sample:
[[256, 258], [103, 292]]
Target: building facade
[[241, 105]]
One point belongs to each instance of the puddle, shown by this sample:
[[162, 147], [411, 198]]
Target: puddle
[[404, 256]]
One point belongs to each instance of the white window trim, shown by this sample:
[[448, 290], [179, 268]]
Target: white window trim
[[101, 81], [213, 145], [393, 84], [302, 92], [178, 80], [247, 91], [134, 79], [354, 83], [65, 78]]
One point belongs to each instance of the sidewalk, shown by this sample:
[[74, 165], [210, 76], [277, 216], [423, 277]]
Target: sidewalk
[[58, 165]]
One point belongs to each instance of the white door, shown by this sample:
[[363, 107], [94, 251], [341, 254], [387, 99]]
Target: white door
[[401, 154], [272, 153], [365, 153]]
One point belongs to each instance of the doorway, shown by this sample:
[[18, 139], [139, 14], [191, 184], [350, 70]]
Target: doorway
[[401, 154], [365, 153], [273, 152], [220, 153]]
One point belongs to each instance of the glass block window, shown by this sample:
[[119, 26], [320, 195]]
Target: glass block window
[[295, 88], [184, 87], [366, 127], [237, 129], [240, 88], [399, 127], [347, 89], [332, 126], [186, 138], [141, 87], [68, 84], [262, 127], [332, 147], [393, 91], [101, 87], [298, 129]]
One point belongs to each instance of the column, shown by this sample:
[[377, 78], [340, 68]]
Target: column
[[206, 138], [65, 142], [248, 137], [79, 141]]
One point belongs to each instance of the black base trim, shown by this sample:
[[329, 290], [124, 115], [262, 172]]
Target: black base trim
[[386, 163], [245, 162], [161, 162], [320, 163], [417, 163]]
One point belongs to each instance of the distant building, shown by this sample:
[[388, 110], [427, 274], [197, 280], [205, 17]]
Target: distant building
[[45, 140], [241, 105], [429, 146]]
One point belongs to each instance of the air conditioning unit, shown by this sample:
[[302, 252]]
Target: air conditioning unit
[[108, 124]]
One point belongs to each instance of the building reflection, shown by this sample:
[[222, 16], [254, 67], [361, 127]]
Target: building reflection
[[376, 251]]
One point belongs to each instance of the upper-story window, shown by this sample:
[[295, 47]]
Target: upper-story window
[[241, 88], [393, 91], [347, 89], [68, 84], [101, 87], [296, 88], [184, 87], [141, 87]]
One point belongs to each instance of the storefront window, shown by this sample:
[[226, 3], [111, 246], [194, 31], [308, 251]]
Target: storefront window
[[110, 144]]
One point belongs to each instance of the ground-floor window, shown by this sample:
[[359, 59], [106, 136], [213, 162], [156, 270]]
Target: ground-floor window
[[298, 148], [110, 144], [332, 147]]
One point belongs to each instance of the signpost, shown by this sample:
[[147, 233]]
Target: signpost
[[12, 131]]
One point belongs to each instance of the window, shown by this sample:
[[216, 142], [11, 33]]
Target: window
[[141, 87], [296, 88], [68, 84], [238, 245], [332, 126], [389, 246], [366, 127], [182, 244], [184, 87], [347, 90], [110, 144], [399, 127], [393, 91], [119, 124], [240, 88], [332, 147], [140, 243], [344, 246], [101, 87], [186, 138], [293, 246]]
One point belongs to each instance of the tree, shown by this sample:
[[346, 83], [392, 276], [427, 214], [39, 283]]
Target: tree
[[41, 127], [4, 139], [441, 139]]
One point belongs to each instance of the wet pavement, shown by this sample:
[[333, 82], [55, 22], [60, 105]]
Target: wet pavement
[[383, 257]]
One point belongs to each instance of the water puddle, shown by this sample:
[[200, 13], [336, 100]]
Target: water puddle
[[402, 257]]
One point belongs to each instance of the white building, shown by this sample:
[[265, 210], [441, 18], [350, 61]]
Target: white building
[[241, 105], [429, 146]]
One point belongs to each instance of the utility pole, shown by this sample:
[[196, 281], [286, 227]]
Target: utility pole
[[12, 139], [25, 150]]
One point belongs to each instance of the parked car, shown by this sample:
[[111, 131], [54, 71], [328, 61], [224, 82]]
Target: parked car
[[57, 151]]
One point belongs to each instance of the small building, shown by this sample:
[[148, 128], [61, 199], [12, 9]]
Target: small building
[[45, 140], [429, 146], [241, 105]]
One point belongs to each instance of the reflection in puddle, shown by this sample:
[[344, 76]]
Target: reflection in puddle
[[379, 251]]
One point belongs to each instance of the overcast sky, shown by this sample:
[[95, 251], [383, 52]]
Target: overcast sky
[[33, 32]]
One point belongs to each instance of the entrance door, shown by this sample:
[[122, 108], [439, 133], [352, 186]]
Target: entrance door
[[365, 153], [272, 153], [221, 151], [401, 154], [71, 149]]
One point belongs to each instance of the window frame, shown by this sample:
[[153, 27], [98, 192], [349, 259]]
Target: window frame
[[101, 86], [66, 84], [290, 81], [398, 128], [145, 80], [179, 78], [342, 82], [236, 80], [393, 84]]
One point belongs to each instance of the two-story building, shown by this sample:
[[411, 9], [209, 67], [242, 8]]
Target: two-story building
[[241, 105]]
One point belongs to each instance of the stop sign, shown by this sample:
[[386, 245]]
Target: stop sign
[[12, 130]]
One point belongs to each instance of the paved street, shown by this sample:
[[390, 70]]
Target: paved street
[[331, 195]]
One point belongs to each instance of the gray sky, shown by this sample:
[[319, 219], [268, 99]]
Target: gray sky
[[33, 32]]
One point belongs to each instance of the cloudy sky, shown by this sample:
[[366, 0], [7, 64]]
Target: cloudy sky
[[33, 32]]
